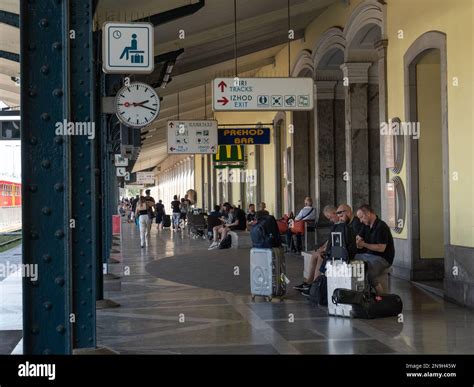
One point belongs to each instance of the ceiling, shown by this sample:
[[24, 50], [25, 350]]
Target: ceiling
[[262, 31]]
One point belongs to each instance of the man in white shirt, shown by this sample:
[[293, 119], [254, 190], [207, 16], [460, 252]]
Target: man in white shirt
[[307, 213]]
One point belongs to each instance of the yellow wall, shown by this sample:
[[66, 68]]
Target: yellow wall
[[455, 18], [335, 15], [430, 158]]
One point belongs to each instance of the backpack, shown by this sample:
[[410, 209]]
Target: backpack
[[342, 242], [265, 234], [226, 243], [318, 293]]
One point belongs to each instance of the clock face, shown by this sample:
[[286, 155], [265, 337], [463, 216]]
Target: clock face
[[137, 105]]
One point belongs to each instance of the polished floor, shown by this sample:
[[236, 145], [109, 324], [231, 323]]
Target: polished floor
[[178, 298]]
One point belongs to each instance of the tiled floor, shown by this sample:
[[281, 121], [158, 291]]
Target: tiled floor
[[171, 303]]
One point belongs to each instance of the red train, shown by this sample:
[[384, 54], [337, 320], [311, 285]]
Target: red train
[[10, 194]]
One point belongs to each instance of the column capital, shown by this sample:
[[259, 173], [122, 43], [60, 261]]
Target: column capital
[[329, 90], [381, 48], [356, 72]]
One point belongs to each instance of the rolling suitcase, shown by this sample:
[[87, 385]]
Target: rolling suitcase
[[268, 273], [166, 221], [342, 275]]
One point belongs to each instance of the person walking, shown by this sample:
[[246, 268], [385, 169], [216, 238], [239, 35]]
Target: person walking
[[142, 213]]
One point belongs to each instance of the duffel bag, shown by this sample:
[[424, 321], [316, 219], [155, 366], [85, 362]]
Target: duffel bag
[[347, 296], [385, 305]]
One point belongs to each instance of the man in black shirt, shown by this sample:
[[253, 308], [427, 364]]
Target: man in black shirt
[[377, 241], [345, 214], [251, 216]]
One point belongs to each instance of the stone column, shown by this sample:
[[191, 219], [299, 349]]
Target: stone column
[[381, 47], [325, 166], [356, 78]]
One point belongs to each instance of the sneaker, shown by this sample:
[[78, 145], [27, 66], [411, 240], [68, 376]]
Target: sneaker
[[214, 245], [305, 293], [301, 287]]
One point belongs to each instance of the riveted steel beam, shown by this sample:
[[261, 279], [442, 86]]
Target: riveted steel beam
[[45, 176], [82, 175]]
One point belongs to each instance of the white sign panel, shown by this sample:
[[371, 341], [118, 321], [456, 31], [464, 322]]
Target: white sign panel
[[121, 172], [128, 48], [192, 137], [254, 94], [121, 161], [145, 177]]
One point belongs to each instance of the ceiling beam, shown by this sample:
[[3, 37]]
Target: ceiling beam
[[217, 58], [10, 56], [247, 25], [203, 76], [10, 18], [173, 14]]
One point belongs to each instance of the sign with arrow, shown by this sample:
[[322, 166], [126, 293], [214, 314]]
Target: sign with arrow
[[256, 94], [192, 137]]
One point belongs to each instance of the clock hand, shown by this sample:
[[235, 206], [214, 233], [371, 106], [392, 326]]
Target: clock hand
[[149, 108], [140, 103]]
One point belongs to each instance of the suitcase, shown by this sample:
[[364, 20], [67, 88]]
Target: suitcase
[[342, 275], [166, 221], [385, 305], [268, 273]]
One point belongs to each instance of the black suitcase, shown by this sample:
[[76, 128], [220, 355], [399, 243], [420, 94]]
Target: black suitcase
[[385, 305], [166, 221]]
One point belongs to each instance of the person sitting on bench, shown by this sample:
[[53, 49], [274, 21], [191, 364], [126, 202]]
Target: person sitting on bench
[[235, 221], [377, 243], [317, 258], [307, 213]]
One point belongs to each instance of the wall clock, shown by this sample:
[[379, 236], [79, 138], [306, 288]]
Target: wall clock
[[137, 105]]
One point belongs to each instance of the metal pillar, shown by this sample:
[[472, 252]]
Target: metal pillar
[[82, 174], [56, 176]]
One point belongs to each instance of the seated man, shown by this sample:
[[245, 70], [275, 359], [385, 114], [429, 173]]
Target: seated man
[[227, 218], [377, 241], [345, 214], [317, 258], [216, 212], [262, 210], [307, 213], [251, 217]]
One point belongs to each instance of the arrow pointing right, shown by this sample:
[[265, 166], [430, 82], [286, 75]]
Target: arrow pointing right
[[224, 101]]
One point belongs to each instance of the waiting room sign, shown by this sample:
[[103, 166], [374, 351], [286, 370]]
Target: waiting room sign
[[128, 48], [256, 94]]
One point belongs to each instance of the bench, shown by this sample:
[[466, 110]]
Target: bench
[[383, 278], [240, 239]]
